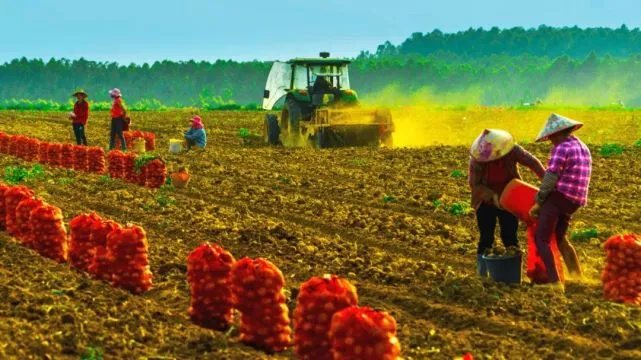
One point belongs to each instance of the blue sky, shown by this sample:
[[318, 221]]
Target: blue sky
[[144, 30]]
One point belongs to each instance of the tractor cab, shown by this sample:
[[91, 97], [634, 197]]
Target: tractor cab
[[311, 81]]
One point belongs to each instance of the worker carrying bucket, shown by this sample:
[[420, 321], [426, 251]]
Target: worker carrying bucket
[[563, 191], [494, 159]]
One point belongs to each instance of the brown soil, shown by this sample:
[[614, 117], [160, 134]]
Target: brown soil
[[310, 212]]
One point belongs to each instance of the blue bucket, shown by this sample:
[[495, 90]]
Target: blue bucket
[[504, 269]]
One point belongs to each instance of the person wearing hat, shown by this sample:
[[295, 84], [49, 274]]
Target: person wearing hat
[[196, 135], [118, 119], [494, 159], [79, 116], [563, 191]]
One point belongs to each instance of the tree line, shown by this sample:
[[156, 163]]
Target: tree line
[[569, 66]]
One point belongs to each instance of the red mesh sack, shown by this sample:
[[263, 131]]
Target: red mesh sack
[[12, 197], [54, 154], [49, 231], [4, 143], [128, 251], [621, 277], [43, 153], [12, 149], [129, 164], [3, 207], [257, 286], [318, 300], [361, 333], [96, 160], [22, 145], [23, 220], [150, 141], [155, 173], [209, 275], [100, 267], [116, 165], [32, 151], [80, 158], [81, 248], [66, 156]]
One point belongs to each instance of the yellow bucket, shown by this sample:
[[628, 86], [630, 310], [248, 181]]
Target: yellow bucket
[[175, 146], [139, 145]]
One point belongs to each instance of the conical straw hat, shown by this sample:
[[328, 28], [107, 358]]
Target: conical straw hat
[[492, 145], [557, 123]]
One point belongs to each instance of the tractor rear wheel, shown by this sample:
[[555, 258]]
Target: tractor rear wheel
[[290, 122], [272, 130]]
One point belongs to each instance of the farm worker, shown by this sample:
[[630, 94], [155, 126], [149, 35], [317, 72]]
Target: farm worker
[[196, 135], [563, 191], [493, 164], [79, 116], [118, 118]]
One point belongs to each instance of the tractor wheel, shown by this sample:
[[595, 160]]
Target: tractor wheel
[[272, 130], [290, 122]]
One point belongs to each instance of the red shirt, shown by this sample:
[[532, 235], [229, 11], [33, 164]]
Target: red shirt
[[117, 109], [81, 109]]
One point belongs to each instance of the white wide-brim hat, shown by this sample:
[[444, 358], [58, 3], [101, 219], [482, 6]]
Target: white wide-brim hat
[[491, 145], [555, 124]]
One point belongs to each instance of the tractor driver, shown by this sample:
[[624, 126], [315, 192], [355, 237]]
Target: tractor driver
[[323, 86]]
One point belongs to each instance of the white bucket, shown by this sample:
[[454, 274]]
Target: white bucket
[[175, 146]]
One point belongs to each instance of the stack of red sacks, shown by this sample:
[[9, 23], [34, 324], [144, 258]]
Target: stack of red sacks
[[80, 158], [3, 207], [81, 247], [129, 164], [66, 154], [209, 275], [4, 143], [100, 267], [12, 149], [12, 197], [54, 154], [116, 164], [96, 160], [257, 286], [622, 274], [155, 173], [361, 333], [318, 300], [127, 249], [43, 153], [32, 152], [49, 231], [23, 220]]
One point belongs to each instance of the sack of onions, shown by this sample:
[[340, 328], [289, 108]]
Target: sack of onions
[[155, 173], [81, 248], [318, 300], [128, 251], [96, 160], [23, 220], [50, 233], [257, 286], [80, 157], [66, 153], [209, 276], [361, 333], [116, 164], [54, 154], [12, 197]]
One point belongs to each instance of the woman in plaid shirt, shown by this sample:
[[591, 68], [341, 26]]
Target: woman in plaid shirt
[[563, 191]]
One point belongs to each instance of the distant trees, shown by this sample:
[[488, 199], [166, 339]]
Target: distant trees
[[597, 66]]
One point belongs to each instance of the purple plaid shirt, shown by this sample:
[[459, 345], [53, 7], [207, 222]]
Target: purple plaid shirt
[[572, 163]]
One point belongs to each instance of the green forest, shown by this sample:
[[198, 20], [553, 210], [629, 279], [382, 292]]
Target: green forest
[[509, 67]]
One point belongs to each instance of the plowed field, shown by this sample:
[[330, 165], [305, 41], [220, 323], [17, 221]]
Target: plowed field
[[383, 218]]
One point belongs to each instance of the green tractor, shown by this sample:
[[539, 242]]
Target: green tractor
[[320, 108]]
